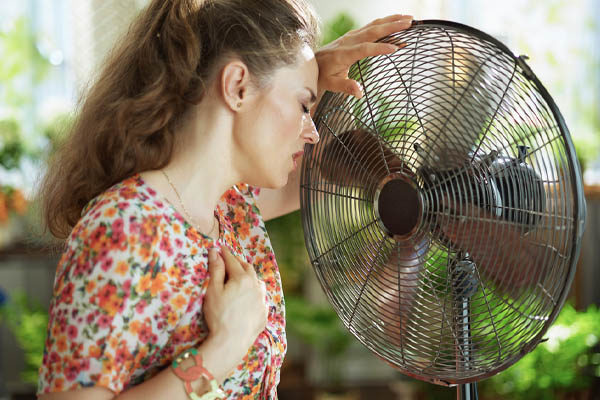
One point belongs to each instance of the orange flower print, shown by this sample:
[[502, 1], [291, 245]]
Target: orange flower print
[[179, 302], [107, 366], [172, 319], [144, 284], [158, 284], [59, 384], [239, 213], [244, 231], [94, 351], [61, 344], [134, 326], [90, 286], [108, 300], [122, 268], [173, 272]]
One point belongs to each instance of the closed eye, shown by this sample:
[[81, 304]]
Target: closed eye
[[305, 109]]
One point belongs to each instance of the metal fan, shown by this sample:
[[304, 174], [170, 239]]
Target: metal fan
[[443, 212]]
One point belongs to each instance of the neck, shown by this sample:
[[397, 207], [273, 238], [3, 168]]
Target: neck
[[201, 168]]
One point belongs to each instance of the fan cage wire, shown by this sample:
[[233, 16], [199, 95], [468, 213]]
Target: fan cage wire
[[351, 250]]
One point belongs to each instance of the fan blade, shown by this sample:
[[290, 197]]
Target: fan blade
[[358, 155], [508, 254], [393, 287], [454, 111]]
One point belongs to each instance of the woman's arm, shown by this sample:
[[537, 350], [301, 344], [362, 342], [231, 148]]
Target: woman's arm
[[334, 60], [165, 385], [236, 313]]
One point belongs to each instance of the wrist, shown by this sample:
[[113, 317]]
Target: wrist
[[189, 367], [220, 356]]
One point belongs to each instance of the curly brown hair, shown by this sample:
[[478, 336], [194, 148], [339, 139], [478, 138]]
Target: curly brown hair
[[127, 121]]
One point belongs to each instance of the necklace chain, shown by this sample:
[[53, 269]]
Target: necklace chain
[[188, 216]]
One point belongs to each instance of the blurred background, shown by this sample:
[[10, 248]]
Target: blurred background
[[50, 51]]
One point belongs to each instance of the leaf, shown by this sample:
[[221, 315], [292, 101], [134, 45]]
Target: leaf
[[337, 27]]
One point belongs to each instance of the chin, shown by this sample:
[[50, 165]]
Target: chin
[[280, 184], [271, 182]]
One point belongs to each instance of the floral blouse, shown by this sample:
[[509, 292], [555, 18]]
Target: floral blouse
[[129, 289]]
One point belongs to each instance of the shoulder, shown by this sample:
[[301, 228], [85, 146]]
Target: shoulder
[[126, 223], [127, 206]]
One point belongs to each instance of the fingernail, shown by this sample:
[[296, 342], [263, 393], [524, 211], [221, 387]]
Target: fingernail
[[360, 88]]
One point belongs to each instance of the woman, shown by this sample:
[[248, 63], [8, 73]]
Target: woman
[[198, 97]]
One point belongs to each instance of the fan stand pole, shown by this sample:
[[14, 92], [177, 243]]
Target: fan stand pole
[[465, 285], [467, 391]]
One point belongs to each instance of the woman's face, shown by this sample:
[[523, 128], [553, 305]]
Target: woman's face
[[278, 123]]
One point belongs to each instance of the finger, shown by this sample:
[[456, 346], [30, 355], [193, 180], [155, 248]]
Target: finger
[[263, 286], [233, 267], [376, 32], [389, 18], [249, 268], [354, 53], [216, 270], [344, 85]]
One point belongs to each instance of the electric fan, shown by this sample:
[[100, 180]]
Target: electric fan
[[443, 211]]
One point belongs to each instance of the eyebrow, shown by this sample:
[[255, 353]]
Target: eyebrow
[[313, 96]]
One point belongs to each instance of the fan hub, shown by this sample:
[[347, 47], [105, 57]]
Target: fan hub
[[398, 205]]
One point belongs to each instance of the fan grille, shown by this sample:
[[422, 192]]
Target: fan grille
[[442, 211]]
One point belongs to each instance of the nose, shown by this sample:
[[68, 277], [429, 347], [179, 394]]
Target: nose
[[309, 131]]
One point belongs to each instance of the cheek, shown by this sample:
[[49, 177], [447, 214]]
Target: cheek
[[288, 122]]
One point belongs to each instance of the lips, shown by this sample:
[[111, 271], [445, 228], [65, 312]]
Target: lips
[[295, 157]]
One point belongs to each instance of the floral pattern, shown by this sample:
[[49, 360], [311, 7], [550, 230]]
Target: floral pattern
[[129, 289]]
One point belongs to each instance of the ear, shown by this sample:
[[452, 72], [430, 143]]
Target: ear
[[235, 84]]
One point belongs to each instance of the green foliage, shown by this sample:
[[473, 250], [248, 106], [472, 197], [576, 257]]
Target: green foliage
[[20, 58], [287, 240], [28, 321], [22, 67], [587, 148], [11, 146], [318, 326], [566, 362], [337, 27]]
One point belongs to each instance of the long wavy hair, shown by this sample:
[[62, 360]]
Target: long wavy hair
[[127, 121]]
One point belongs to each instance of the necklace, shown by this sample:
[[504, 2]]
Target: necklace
[[188, 216]]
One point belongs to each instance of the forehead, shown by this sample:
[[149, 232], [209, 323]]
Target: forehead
[[304, 72]]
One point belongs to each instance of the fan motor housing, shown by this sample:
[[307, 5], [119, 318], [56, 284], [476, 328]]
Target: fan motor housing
[[399, 205]]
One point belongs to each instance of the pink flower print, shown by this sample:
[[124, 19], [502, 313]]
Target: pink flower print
[[164, 296], [72, 332], [140, 306], [145, 333], [106, 264], [117, 225], [104, 321]]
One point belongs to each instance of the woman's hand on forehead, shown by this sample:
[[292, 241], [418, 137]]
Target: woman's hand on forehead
[[335, 58]]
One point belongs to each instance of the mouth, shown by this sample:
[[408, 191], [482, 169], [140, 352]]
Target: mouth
[[295, 158]]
